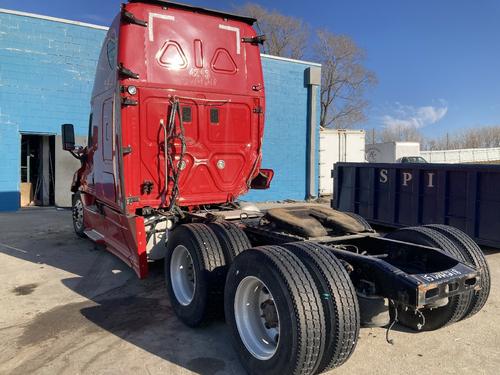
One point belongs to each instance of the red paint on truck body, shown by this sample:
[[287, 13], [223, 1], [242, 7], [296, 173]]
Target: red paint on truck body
[[184, 54]]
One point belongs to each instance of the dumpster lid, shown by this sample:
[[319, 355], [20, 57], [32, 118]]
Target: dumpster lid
[[174, 4]]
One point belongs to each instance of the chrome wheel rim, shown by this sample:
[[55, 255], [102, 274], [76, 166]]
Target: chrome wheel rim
[[257, 318], [182, 275], [78, 214]]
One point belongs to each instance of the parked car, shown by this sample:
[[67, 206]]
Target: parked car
[[412, 159]]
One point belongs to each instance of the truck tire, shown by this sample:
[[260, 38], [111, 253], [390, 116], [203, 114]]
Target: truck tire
[[456, 307], [475, 257], [231, 238], [194, 273], [77, 214], [339, 300], [274, 312], [361, 220]]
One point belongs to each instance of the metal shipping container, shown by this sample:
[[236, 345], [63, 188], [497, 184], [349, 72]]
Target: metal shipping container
[[466, 196]]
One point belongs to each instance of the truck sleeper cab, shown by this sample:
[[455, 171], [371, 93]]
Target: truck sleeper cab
[[175, 137], [177, 120]]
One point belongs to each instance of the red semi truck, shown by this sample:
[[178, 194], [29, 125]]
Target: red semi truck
[[175, 137]]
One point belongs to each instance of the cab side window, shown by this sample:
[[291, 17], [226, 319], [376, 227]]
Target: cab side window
[[111, 52]]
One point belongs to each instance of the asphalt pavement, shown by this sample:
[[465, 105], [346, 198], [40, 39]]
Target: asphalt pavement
[[69, 307]]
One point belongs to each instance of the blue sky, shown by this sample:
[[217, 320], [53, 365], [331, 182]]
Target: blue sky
[[437, 61]]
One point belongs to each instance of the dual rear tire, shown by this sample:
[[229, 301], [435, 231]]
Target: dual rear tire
[[291, 309], [300, 294], [274, 312], [473, 256], [196, 264], [194, 273], [338, 298]]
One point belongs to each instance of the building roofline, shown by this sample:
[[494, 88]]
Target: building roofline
[[290, 60], [53, 19]]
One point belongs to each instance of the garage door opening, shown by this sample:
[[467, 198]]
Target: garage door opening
[[37, 170]]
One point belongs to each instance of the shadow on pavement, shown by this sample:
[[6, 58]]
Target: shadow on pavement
[[137, 311]]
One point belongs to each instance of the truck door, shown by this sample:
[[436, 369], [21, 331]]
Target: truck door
[[107, 182], [114, 225]]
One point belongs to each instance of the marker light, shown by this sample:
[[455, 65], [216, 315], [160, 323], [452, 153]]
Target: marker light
[[132, 90]]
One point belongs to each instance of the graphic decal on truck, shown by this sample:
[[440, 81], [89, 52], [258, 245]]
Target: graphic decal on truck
[[235, 30], [152, 16]]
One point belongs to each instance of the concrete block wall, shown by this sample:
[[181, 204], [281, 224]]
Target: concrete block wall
[[10, 165], [46, 76], [285, 134], [47, 71]]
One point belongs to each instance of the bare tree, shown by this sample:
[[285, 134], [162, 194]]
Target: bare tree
[[400, 133], [478, 137], [344, 77], [344, 80], [285, 36]]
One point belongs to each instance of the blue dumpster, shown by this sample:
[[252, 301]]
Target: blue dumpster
[[466, 196]]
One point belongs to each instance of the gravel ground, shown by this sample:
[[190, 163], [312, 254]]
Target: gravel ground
[[67, 307]]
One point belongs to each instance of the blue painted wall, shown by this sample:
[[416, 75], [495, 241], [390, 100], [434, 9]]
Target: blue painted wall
[[9, 167], [47, 72], [46, 76], [285, 134]]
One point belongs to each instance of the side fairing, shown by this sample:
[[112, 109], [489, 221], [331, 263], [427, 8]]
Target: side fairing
[[101, 177]]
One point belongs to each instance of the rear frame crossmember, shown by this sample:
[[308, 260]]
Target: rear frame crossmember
[[409, 274]]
